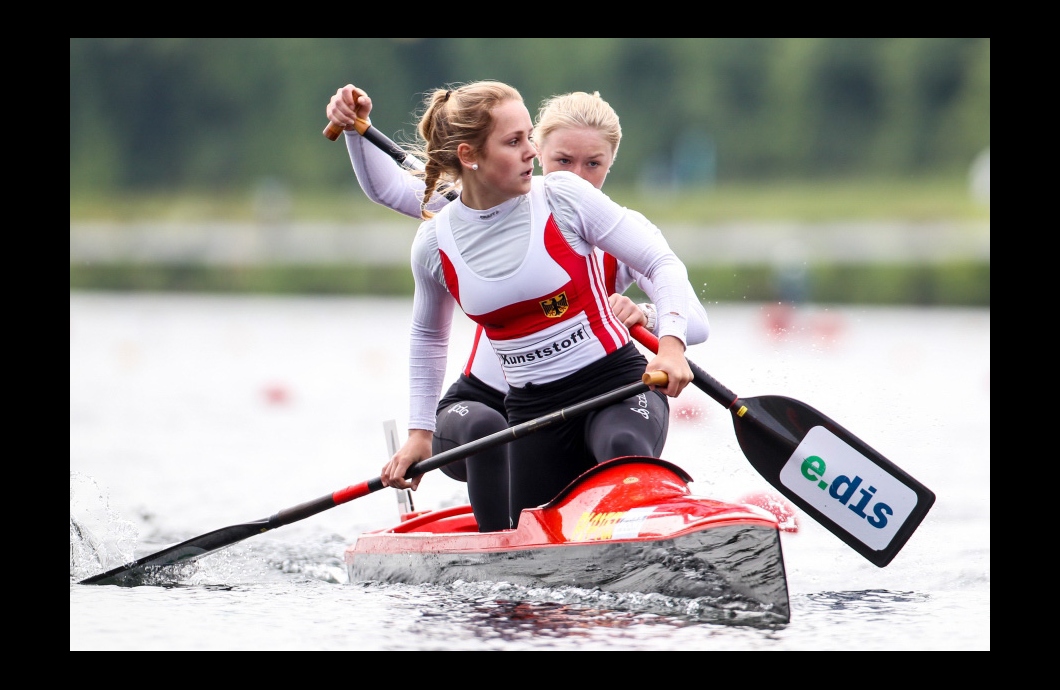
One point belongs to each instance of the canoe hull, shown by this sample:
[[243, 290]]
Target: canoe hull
[[629, 525]]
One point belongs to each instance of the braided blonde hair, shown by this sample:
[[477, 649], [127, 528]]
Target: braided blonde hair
[[461, 114]]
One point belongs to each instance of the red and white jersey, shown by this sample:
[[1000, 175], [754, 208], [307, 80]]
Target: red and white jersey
[[502, 258], [386, 183], [483, 363], [538, 336]]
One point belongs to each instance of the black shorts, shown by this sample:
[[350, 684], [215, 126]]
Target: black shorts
[[544, 462]]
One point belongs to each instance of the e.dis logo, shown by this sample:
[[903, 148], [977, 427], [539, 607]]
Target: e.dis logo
[[848, 488], [843, 487]]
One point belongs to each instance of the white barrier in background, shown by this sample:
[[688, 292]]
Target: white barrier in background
[[252, 244]]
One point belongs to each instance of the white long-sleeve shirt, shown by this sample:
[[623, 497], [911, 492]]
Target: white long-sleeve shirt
[[493, 243], [388, 184]]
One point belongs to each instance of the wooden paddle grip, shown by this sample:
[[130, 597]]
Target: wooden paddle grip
[[655, 378], [332, 131]]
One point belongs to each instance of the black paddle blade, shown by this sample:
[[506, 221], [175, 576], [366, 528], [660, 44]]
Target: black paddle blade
[[144, 570], [838, 479]]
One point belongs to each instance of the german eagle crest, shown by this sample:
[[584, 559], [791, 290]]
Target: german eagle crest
[[555, 306]]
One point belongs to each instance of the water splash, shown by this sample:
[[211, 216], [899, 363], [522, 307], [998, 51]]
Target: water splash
[[100, 538]]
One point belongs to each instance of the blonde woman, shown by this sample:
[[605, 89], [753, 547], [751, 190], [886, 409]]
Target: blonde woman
[[575, 132]]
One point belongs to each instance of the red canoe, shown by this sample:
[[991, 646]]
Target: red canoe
[[627, 525]]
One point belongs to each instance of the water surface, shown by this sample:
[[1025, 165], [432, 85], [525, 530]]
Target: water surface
[[191, 413]]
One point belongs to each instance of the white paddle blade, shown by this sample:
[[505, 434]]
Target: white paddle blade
[[404, 496]]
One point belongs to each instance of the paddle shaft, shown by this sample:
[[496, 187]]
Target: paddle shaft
[[226, 536], [712, 387], [704, 381], [384, 143], [791, 444], [310, 508]]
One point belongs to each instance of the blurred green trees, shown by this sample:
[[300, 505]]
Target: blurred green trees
[[193, 114]]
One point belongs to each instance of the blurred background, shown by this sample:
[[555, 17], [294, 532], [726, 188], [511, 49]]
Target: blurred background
[[827, 170]]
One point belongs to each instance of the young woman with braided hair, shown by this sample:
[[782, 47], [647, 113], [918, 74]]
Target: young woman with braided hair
[[576, 132]]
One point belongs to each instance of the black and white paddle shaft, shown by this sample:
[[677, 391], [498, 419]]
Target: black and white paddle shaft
[[831, 474]]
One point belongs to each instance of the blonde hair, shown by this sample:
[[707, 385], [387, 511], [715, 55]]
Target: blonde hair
[[460, 114], [578, 109]]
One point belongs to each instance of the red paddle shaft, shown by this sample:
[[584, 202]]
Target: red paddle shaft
[[703, 380]]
